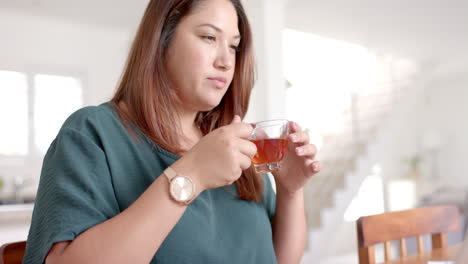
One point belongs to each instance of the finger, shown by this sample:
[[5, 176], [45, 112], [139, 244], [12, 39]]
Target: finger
[[316, 166], [308, 151], [294, 127], [244, 162], [247, 148], [313, 166], [242, 130], [299, 137]]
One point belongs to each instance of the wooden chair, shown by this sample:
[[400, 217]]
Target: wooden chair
[[12, 253], [383, 228]]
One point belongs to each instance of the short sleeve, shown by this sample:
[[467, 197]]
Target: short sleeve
[[75, 193], [269, 196]]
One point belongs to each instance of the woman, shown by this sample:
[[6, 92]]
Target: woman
[[162, 173]]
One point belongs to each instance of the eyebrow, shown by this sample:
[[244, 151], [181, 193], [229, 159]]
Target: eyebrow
[[217, 29]]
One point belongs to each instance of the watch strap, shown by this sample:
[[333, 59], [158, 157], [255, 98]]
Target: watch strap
[[170, 173]]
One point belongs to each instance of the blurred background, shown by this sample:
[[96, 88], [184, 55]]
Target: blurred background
[[381, 87]]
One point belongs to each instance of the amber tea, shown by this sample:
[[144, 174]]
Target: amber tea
[[269, 150], [270, 137]]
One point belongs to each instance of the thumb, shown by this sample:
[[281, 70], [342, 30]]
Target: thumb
[[236, 119]]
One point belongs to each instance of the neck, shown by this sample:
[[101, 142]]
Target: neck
[[191, 132]]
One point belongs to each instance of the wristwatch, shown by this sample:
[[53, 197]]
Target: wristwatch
[[181, 188]]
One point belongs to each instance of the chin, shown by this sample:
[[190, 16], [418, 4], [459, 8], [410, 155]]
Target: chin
[[209, 105], [208, 100], [207, 108]]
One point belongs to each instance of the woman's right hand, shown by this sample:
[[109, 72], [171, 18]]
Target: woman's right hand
[[219, 158]]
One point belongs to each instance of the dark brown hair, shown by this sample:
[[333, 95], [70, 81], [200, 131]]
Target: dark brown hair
[[145, 97]]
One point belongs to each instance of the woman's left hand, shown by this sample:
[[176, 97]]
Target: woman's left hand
[[298, 164]]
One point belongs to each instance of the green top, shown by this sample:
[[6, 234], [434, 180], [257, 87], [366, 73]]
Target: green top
[[95, 169]]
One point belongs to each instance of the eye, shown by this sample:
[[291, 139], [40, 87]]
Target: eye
[[235, 48], [209, 38]]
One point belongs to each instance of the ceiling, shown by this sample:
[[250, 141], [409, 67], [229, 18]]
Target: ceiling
[[424, 30], [115, 13]]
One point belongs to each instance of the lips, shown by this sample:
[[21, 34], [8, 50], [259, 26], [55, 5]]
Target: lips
[[219, 82]]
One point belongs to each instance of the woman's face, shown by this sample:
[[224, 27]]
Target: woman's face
[[201, 56]]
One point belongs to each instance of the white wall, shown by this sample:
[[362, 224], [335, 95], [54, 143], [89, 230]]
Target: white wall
[[32, 43], [268, 97], [445, 110], [438, 103], [35, 44]]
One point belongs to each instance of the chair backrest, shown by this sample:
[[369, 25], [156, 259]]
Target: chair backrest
[[12, 253], [383, 228]]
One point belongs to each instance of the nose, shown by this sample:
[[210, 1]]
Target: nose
[[225, 58]]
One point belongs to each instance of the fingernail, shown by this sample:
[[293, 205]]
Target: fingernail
[[316, 167], [299, 150]]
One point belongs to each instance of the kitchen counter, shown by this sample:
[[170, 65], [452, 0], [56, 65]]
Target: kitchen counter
[[16, 213]]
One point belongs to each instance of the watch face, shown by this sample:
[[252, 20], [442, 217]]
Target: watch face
[[181, 188]]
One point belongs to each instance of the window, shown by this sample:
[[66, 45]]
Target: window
[[32, 109], [56, 97], [13, 113]]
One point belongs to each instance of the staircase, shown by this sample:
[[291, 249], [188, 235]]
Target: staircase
[[348, 158]]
